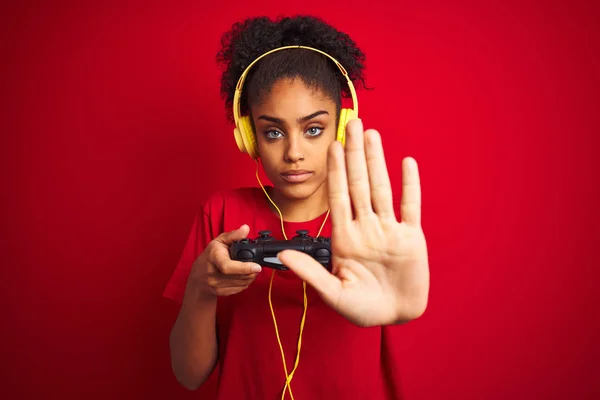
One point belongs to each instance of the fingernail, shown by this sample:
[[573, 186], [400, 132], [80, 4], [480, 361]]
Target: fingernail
[[256, 268]]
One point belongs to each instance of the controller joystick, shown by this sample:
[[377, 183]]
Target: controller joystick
[[301, 234], [265, 236]]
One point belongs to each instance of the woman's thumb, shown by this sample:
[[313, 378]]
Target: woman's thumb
[[229, 237]]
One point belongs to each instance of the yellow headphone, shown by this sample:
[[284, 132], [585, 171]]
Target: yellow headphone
[[243, 132]]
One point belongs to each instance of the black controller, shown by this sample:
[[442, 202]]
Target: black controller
[[263, 250]]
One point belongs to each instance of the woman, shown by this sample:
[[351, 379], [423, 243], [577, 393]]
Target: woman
[[263, 331]]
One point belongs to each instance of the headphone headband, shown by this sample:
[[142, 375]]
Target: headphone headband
[[240, 83]]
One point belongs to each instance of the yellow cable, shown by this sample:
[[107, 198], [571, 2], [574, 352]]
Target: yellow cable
[[288, 380]]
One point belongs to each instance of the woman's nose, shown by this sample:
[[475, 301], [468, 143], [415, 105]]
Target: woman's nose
[[293, 151]]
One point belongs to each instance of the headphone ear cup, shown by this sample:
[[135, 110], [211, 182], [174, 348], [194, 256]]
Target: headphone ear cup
[[248, 137], [239, 140], [345, 114]]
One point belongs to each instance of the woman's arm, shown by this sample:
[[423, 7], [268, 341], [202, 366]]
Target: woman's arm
[[193, 340]]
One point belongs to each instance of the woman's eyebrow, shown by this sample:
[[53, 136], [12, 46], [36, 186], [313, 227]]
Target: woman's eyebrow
[[271, 119], [300, 120], [311, 116]]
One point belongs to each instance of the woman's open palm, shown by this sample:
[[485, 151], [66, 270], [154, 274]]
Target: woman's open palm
[[380, 272]]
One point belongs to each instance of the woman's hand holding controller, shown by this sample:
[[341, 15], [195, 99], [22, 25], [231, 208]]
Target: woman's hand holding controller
[[216, 274]]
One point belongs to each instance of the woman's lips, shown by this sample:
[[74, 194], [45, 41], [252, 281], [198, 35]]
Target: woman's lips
[[296, 176]]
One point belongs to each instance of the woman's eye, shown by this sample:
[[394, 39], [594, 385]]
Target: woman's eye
[[314, 131], [273, 134]]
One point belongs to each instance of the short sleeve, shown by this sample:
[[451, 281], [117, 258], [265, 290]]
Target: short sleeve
[[200, 235]]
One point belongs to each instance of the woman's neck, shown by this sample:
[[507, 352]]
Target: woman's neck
[[303, 209]]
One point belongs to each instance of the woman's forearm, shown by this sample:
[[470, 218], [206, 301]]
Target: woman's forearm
[[193, 340]]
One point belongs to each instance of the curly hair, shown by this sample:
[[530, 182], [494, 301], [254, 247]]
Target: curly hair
[[251, 38]]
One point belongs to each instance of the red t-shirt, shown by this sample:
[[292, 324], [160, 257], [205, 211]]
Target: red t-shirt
[[338, 360]]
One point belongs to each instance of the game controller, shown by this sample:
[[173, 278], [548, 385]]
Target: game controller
[[263, 250]]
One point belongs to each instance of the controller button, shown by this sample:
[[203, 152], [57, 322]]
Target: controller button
[[264, 233], [245, 241]]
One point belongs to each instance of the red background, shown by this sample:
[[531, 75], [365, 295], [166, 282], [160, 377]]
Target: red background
[[113, 131]]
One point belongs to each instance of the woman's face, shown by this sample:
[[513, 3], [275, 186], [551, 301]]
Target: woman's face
[[294, 127]]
